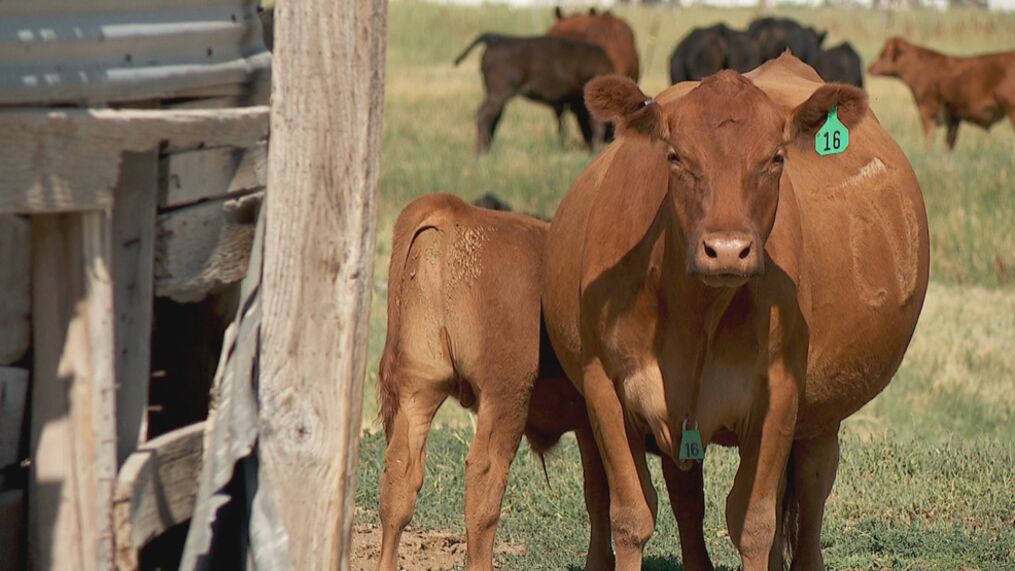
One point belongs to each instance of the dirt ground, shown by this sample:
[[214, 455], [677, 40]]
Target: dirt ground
[[420, 550]]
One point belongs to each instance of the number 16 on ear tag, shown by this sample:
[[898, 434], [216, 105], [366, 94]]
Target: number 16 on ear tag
[[690, 445], [832, 137]]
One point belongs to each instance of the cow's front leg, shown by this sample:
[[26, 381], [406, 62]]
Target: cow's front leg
[[752, 507], [815, 462], [632, 518], [928, 119], [687, 497]]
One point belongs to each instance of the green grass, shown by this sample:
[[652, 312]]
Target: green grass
[[926, 478]]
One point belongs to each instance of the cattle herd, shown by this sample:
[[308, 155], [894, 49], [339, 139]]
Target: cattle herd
[[713, 277]]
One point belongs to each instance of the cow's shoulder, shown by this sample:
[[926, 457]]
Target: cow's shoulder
[[623, 194]]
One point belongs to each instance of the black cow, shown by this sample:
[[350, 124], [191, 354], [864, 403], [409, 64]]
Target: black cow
[[706, 51], [491, 201], [553, 71], [775, 35], [840, 64]]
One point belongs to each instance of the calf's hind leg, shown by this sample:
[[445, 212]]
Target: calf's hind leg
[[403, 466], [499, 428], [597, 502]]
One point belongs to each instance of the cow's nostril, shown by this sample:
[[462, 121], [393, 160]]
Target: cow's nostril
[[745, 252], [709, 251]]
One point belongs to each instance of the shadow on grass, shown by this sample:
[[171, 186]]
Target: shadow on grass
[[659, 564]]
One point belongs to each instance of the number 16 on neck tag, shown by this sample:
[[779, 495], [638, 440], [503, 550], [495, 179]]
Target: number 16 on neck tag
[[690, 444], [833, 137]]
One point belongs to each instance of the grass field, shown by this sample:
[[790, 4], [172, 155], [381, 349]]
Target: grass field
[[927, 479]]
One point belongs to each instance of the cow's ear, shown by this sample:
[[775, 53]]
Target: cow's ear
[[810, 115], [558, 13], [616, 98]]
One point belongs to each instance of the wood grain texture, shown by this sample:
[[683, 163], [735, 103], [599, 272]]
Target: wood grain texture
[[133, 261], [327, 95], [192, 176], [202, 247], [69, 160], [155, 490], [73, 393], [13, 390], [15, 283]]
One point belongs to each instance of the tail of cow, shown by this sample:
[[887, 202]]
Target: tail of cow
[[790, 517], [420, 215], [486, 39]]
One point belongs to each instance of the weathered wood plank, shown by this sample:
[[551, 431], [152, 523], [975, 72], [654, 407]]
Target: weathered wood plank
[[202, 247], [191, 176], [73, 393], [13, 389], [133, 264], [12, 517], [156, 489], [68, 160], [15, 283], [323, 165]]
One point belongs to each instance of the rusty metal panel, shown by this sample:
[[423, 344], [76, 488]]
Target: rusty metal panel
[[100, 51]]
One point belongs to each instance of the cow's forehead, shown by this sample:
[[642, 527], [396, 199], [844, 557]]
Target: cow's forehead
[[727, 107]]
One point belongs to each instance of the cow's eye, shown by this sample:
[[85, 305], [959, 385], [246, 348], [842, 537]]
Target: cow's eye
[[778, 159], [673, 157]]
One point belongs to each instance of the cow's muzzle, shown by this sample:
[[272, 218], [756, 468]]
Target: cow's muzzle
[[727, 259]]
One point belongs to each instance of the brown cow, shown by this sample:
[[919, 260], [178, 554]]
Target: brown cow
[[709, 269], [464, 321], [948, 90], [607, 31]]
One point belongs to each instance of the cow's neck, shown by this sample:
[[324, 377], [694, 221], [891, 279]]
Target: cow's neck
[[695, 307], [914, 73]]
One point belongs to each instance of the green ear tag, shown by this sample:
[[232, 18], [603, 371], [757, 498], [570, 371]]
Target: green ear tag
[[832, 137], [690, 446]]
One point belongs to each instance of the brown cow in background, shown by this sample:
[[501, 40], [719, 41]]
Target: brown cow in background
[[710, 270], [948, 90], [607, 31]]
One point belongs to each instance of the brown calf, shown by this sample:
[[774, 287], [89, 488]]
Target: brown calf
[[710, 270], [464, 321], [948, 90]]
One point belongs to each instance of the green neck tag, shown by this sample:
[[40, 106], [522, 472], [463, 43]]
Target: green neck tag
[[833, 137], [690, 446]]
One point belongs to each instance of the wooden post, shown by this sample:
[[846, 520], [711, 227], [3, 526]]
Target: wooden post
[[73, 393], [134, 203], [323, 164]]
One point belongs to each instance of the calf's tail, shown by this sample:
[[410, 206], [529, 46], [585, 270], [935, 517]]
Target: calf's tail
[[422, 214], [790, 517], [480, 39]]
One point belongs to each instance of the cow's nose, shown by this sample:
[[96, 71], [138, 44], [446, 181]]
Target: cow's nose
[[727, 251], [727, 254]]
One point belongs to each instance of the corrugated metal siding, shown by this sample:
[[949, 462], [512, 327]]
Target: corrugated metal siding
[[93, 51]]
